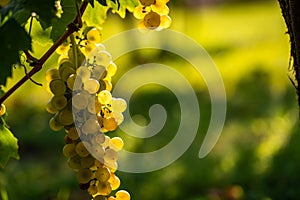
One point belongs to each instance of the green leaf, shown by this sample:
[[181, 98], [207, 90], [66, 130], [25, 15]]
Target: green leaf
[[91, 2], [13, 39], [102, 2], [95, 16], [8, 145], [122, 5], [59, 25]]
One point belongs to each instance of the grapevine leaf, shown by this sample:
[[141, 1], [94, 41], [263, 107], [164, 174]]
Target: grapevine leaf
[[59, 25], [95, 20], [8, 145], [14, 38], [121, 6], [102, 2], [91, 2]]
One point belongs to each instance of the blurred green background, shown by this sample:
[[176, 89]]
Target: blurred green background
[[256, 156]]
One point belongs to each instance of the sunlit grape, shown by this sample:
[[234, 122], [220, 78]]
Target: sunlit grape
[[122, 195], [118, 105], [160, 8], [49, 108], [110, 124], [80, 100], [91, 85], [111, 69], [59, 102], [69, 150], [110, 155], [116, 143], [140, 11], [84, 175], [104, 97], [102, 174], [152, 20], [103, 58], [84, 73], [114, 181], [54, 125], [94, 35], [165, 21], [104, 188], [52, 74], [81, 149], [118, 117]]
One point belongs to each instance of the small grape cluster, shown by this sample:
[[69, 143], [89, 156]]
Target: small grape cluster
[[82, 104], [154, 14]]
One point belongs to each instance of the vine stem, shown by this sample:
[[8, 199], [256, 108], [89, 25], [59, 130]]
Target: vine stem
[[72, 27]]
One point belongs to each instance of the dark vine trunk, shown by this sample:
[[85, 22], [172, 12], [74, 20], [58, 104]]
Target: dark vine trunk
[[291, 13]]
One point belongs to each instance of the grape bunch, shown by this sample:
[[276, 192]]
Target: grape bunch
[[82, 104], [154, 14]]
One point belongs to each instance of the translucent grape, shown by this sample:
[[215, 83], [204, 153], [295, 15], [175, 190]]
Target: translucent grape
[[98, 71], [75, 162], [139, 12], [93, 189], [91, 85], [102, 174], [59, 102], [113, 166], [104, 97], [54, 125], [116, 143], [110, 124], [111, 69], [103, 58], [91, 126], [114, 181], [165, 21], [52, 74], [57, 86], [80, 100], [152, 20], [98, 151], [160, 8], [66, 117], [87, 162], [122, 195], [72, 133], [110, 155], [69, 150], [81, 149], [66, 72], [84, 175], [49, 108], [90, 46], [118, 117], [84, 73], [104, 188], [94, 35], [118, 105]]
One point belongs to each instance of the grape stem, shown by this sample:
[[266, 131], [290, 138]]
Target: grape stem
[[37, 64]]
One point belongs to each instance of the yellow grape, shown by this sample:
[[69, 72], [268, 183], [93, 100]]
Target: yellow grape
[[81, 149], [116, 143], [72, 133], [91, 85], [69, 150], [2, 110], [110, 124], [147, 2], [118, 117], [84, 175], [87, 162], [103, 58], [90, 46], [80, 100], [102, 174], [84, 73], [91, 126], [50, 108], [122, 195], [139, 12], [99, 138], [75, 162], [165, 21], [104, 97], [106, 141], [119, 105], [108, 85], [111, 198], [98, 151], [160, 8], [93, 189], [114, 181], [98, 72], [113, 166], [54, 125], [94, 35], [52, 74], [66, 72], [62, 49], [59, 102], [152, 20], [65, 117], [110, 155], [57, 86], [104, 188], [111, 69]]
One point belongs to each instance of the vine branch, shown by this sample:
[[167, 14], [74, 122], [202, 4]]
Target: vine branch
[[74, 26]]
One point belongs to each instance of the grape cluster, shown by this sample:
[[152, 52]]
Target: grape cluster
[[82, 104], [154, 14]]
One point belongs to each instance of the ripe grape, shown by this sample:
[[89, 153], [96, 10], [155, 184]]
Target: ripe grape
[[104, 97], [114, 181], [91, 85], [110, 124], [81, 149], [54, 125], [102, 174], [111, 69], [103, 58], [165, 21], [118, 105], [80, 100], [65, 117], [93, 189], [84, 175], [91, 126], [84, 73], [104, 188], [69, 150], [116, 143], [87, 162], [75, 162], [110, 155], [72, 133], [52, 74], [152, 20], [122, 195], [94, 35], [118, 117], [160, 8], [147, 2], [50, 108], [59, 102]]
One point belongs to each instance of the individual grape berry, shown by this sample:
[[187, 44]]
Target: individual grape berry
[[119, 105], [110, 155], [72, 133], [93, 189], [116, 143], [104, 97], [52, 74], [69, 150], [2, 110], [75, 162], [84, 175], [114, 181], [103, 58], [65, 117], [102, 174], [54, 125], [160, 7], [111, 69], [81, 149], [110, 124], [84, 73], [59, 102], [104, 188], [152, 20], [94, 35], [88, 161], [122, 195], [165, 21], [80, 100], [91, 85], [91, 126]]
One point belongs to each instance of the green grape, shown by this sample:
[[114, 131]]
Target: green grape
[[59, 102], [102, 174], [165, 21], [75, 162], [91, 126], [88, 161], [118, 105], [108, 85], [122, 195], [147, 2], [52, 74], [57, 86], [104, 97], [81, 149], [114, 181], [104, 188], [118, 117], [152, 20], [103, 58], [69, 150], [84, 175], [110, 155], [93, 189], [84, 73], [91, 85], [80, 100], [98, 72], [111, 69], [65, 117], [50, 108], [72, 133], [113, 166], [110, 124], [89, 47], [98, 151], [139, 12], [2, 110], [66, 72], [99, 138], [63, 49], [116, 143], [94, 35], [54, 125]]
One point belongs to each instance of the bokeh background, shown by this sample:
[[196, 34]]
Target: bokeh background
[[257, 155]]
